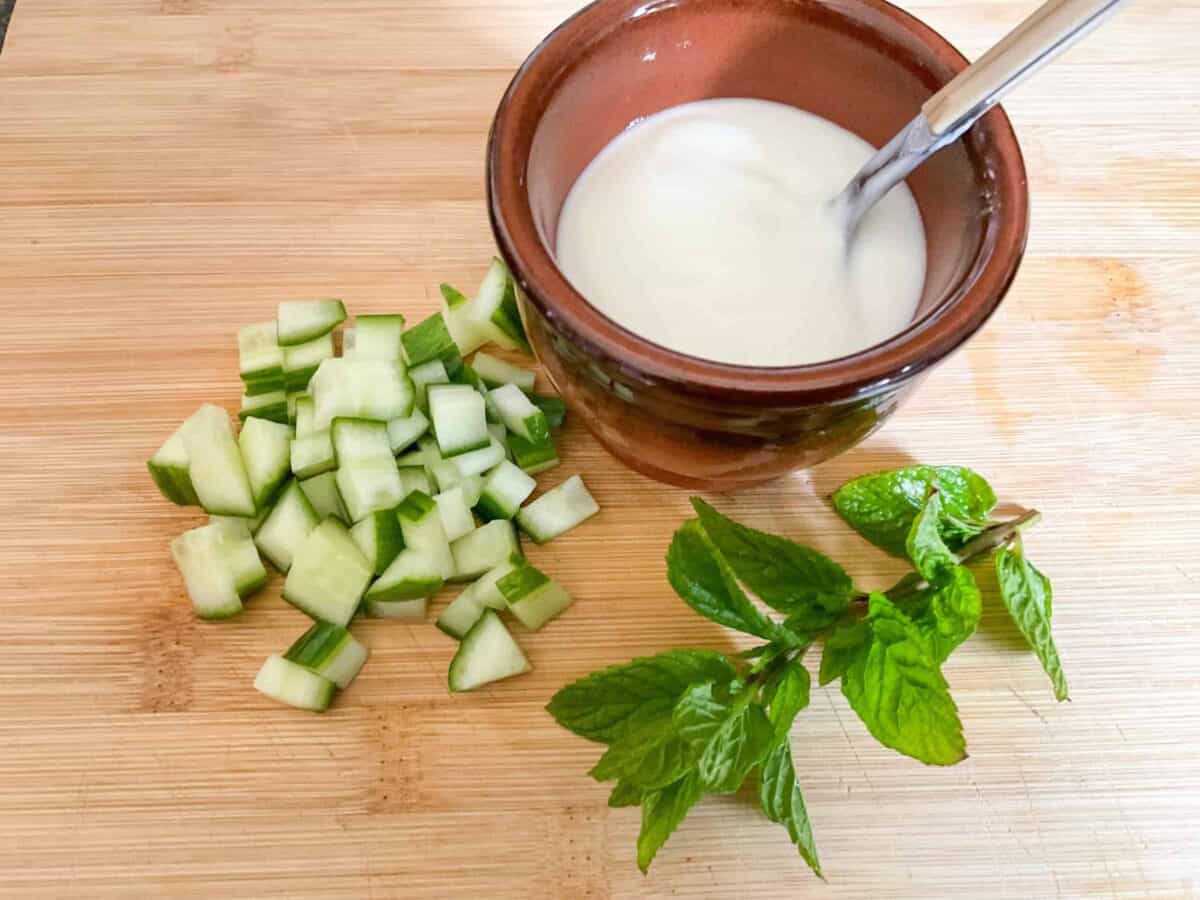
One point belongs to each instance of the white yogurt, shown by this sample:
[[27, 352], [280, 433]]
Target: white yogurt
[[706, 229]]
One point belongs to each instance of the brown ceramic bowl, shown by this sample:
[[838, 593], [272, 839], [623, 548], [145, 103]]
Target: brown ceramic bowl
[[863, 64]]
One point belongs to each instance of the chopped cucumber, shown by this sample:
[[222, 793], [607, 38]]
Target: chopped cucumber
[[300, 321], [259, 356], [235, 547], [476, 462], [305, 413], [293, 684], [422, 526], [487, 653], [432, 372], [328, 575], [293, 397], [494, 310], [499, 432], [402, 433], [554, 408], [533, 458], [379, 538], [445, 473], [361, 440], [413, 574], [171, 471], [504, 490], [286, 526], [406, 610], [215, 465], [455, 513], [360, 388], [471, 487], [252, 523], [322, 493], [255, 386], [519, 413], [484, 588], [459, 422], [207, 573], [558, 510], [532, 596], [265, 449], [330, 651], [484, 548], [463, 612], [300, 362], [312, 454], [429, 340], [271, 405], [456, 312], [369, 486], [495, 372], [415, 480], [377, 337]]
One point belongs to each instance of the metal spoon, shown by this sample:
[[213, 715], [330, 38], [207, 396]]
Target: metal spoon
[[944, 117]]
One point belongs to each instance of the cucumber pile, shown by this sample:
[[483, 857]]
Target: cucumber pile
[[371, 480]]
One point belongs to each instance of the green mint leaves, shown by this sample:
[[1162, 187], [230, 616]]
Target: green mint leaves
[[689, 723]]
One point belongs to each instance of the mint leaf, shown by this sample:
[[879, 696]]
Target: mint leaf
[[1028, 596], [699, 714], [881, 506], [601, 706], [805, 584], [842, 648], [736, 748], [898, 690], [951, 613], [662, 811], [650, 755], [929, 554], [625, 794], [785, 694], [700, 575], [782, 802]]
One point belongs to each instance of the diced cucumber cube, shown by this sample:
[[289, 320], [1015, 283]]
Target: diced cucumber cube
[[484, 548], [321, 491], [455, 513], [305, 414], [377, 337], [379, 538], [330, 651], [286, 526], [271, 405], [259, 356], [459, 423], [313, 454], [300, 362], [532, 596], [424, 375], [329, 574], [291, 683], [421, 524], [484, 588], [360, 388], [215, 464], [487, 653], [533, 458], [554, 409], [471, 487], [402, 433], [369, 486], [300, 321], [429, 340], [494, 310], [171, 471], [519, 414], [413, 574], [361, 440], [236, 550], [456, 312], [495, 372], [504, 490], [265, 448], [558, 510], [463, 612], [207, 574], [479, 461]]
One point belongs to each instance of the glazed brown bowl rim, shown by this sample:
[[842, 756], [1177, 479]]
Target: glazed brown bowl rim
[[926, 341]]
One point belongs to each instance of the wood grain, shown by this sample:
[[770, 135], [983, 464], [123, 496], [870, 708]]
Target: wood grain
[[171, 168]]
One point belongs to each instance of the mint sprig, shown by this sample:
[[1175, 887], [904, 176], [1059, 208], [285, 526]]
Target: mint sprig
[[687, 722]]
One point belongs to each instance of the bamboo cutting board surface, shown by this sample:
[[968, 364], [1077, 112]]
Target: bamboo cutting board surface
[[170, 169]]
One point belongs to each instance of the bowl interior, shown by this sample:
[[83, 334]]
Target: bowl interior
[[859, 63]]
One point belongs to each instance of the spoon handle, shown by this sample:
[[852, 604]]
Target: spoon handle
[[1047, 32]]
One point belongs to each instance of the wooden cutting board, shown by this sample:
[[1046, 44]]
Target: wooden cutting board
[[169, 169]]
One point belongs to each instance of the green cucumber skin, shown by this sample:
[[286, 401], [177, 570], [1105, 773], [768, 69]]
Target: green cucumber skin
[[452, 295], [276, 412], [430, 339], [507, 316], [489, 510], [174, 483], [531, 457], [409, 589], [257, 386], [416, 506], [553, 408]]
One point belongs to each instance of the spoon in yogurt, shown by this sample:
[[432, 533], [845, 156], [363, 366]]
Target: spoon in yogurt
[[946, 116]]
